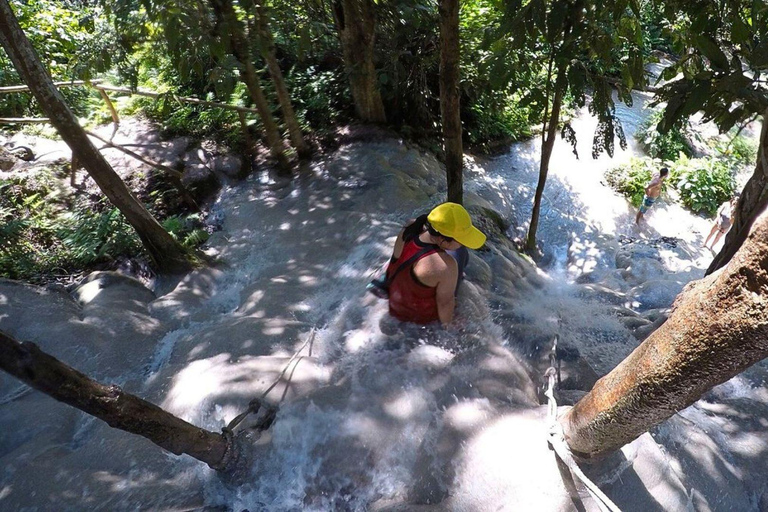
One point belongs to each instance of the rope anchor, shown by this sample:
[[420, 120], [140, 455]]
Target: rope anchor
[[270, 410]]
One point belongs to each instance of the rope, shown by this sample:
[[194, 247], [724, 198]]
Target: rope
[[556, 437], [255, 404]]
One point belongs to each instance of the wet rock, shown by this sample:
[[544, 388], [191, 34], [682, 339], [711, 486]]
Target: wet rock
[[569, 396], [107, 289], [230, 166], [621, 311], [7, 160], [577, 374], [643, 331], [602, 294], [632, 323], [642, 270], [587, 278], [655, 294], [200, 180], [628, 254], [590, 256], [478, 271], [653, 315]]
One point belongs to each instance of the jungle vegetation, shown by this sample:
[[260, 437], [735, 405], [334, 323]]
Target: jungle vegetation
[[450, 75]]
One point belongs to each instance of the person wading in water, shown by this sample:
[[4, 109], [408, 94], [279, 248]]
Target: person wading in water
[[652, 193], [432, 253]]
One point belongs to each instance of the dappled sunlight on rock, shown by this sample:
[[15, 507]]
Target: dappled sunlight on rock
[[374, 413], [220, 379]]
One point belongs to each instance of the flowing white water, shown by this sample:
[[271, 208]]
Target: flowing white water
[[377, 414]]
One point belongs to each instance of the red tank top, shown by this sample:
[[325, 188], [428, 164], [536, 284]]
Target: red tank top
[[409, 300]]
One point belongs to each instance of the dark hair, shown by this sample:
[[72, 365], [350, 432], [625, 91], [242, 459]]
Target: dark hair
[[434, 232], [664, 171], [415, 228]]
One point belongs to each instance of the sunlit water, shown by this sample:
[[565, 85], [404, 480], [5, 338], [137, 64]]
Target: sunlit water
[[300, 256], [378, 412]]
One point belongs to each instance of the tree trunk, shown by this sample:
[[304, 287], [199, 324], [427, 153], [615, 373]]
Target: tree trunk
[[547, 145], [752, 202], [232, 30], [450, 97], [167, 254], [118, 409], [267, 46], [356, 22], [718, 328]]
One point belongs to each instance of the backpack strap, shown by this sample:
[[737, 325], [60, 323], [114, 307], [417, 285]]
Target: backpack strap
[[409, 262]]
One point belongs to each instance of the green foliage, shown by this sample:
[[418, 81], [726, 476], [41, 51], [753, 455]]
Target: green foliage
[[508, 121], [186, 229], [656, 30], [666, 146], [739, 150], [321, 97], [630, 179], [74, 41], [702, 183], [179, 118], [725, 57], [89, 237], [42, 234]]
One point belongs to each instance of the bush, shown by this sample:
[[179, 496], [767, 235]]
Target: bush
[[505, 120], [703, 183], [200, 122], [43, 234], [739, 150], [630, 179], [666, 146]]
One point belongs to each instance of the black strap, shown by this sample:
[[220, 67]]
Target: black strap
[[408, 262]]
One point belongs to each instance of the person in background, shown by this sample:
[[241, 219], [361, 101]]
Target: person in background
[[723, 222], [652, 193], [428, 262]]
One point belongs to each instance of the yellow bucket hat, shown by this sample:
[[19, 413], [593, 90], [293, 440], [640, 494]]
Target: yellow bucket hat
[[452, 220]]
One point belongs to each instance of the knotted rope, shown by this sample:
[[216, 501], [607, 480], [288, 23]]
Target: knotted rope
[[556, 437]]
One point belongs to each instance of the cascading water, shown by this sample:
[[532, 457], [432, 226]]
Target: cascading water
[[378, 415]]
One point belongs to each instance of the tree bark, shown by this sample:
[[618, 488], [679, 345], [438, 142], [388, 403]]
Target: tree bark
[[548, 143], [167, 254], [450, 99], [118, 409], [356, 23], [752, 202], [267, 46], [231, 29], [718, 328]]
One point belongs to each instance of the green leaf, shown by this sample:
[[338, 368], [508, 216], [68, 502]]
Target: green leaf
[[696, 99], [759, 56], [740, 32], [712, 51]]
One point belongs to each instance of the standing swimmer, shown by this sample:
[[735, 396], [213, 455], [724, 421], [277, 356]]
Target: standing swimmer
[[652, 193], [427, 263], [723, 222]]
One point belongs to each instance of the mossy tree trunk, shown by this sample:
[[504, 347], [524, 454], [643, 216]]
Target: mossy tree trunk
[[753, 200], [718, 328], [450, 99], [232, 33], [167, 253], [356, 23]]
